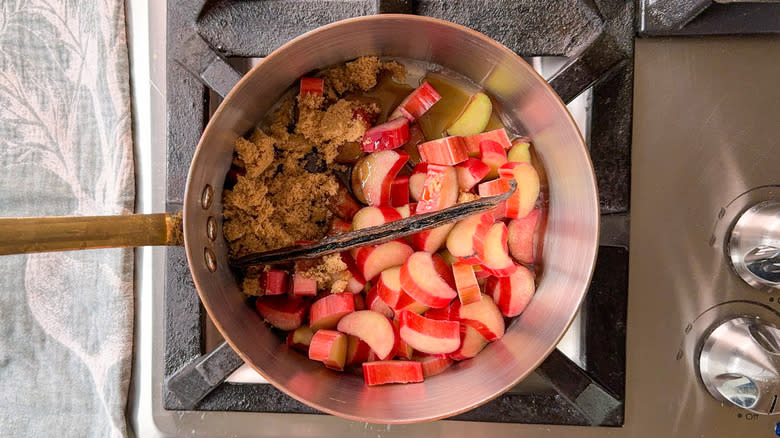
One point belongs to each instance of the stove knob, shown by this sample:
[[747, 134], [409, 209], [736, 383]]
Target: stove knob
[[740, 364], [754, 245]]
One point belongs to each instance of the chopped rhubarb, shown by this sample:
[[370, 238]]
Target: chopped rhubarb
[[520, 235], [373, 215], [330, 348], [300, 338], [523, 200], [432, 336], [466, 240], [388, 135], [445, 151], [326, 312], [417, 102], [433, 364], [494, 187], [466, 283], [492, 154], [496, 259], [392, 371], [471, 172], [312, 85], [497, 135], [399, 191], [432, 239], [440, 189], [356, 282], [282, 311], [417, 180], [273, 282], [373, 176], [304, 286], [401, 349], [388, 287], [471, 343], [374, 302], [513, 293], [357, 350], [423, 282], [373, 328], [483, 315]]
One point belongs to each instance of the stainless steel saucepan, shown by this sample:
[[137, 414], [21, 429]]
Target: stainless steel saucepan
[[569, 247]]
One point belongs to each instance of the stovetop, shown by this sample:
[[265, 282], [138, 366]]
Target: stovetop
[[189, 44]]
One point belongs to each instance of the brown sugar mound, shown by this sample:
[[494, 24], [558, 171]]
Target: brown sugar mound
[[283, 191]]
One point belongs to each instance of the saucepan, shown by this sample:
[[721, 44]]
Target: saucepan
[[569, 244]]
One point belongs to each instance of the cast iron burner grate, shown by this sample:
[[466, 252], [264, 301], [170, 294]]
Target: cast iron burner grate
[[597, 36]]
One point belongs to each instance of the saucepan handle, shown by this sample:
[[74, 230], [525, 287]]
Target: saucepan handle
[[40, 234]]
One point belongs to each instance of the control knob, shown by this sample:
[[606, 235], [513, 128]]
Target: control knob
[[739, 364]]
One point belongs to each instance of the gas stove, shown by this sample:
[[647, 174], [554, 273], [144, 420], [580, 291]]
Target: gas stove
[[629, 364]]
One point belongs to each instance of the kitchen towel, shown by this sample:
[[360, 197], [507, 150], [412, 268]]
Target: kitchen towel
[[66, 319]]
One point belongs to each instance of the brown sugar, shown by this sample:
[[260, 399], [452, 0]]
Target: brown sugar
[[285, 191]]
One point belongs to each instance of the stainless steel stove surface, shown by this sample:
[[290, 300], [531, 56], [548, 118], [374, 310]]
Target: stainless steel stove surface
[[704, 148]]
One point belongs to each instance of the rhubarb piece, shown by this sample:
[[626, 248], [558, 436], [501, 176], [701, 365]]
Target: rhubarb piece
[[527, 188], [440, 189], [339, 226], [406, 302], [492, 154], [372, 216], [371, 327], [417, 180], [303, 286], [474, 117], [374, 302], [496, 259], [466, 283], [356, 282], [443, 313], [311, 86], [326, 312], [429, 335], [282, 311], [432, 239], [388, 135], [330, 348], [405, 210], [445, 151], [401, 348], [433, 364], [273, 282], [392, 371], [399, 191], [421, 280], [388, 287], [493, 187], [520, 235], [520, 152], [513, 293], [471, 343], [470, 172], [300, 338], [417, 102], [373, 175], [482, 315], [497, 135], [343, 204], [466, 240], [371, 260], [357, 351]]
